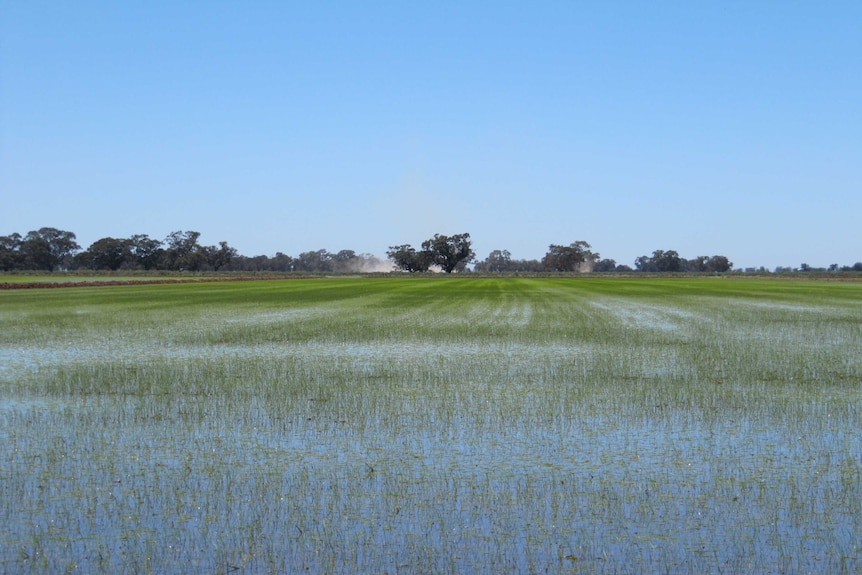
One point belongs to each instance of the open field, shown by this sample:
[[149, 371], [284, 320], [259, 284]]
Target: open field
[[433, 425], [75, 279]]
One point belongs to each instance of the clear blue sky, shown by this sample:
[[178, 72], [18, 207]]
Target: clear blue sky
[[729, 128]]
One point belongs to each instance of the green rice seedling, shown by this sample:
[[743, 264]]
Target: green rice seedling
[[432, 424]]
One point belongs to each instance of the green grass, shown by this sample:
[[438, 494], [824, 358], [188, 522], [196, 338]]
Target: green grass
[[435, 424]]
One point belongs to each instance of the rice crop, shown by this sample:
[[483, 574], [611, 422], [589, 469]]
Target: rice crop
[[433, 425]]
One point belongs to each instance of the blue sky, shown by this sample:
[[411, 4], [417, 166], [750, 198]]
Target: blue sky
[[729, 128]]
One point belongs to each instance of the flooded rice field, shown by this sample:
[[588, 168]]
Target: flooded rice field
[[432, 426]]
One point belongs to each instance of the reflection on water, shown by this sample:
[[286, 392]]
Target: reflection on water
[[108, 483]]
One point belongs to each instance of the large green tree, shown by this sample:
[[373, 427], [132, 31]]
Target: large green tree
[[498, 261], [183, 251], [108, 254], [449, 252], [313, 261], [49, 249], [11, 257], [572, 258], [719, 264], [660, 261], [407, 258], [216, 258], [345, 261], [147, 251]]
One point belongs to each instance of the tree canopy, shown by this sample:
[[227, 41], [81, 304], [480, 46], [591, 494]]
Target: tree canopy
[[670, 261], [53, 249], [572, 258], [450, 253], [406, 258]]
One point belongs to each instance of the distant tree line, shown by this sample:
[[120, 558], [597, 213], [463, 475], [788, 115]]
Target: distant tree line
[[44, 249], [53, 249], [579, 257], [670, 261], [576, 257]]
